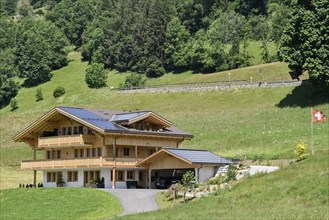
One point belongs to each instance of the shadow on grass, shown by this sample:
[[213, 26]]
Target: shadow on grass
[[305, 95]]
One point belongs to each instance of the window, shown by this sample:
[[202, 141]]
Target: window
[[58, 154], [75, 130], [52, 177], [72, 176], [69, 131], [130, 174], [93, 152], [82, 153], [53, 154], [48, 155], [120, 175], [126, 151], [151, 151], [76, 151], [88, 152], [91, 175], [80, 129], [99, 151], [64, 131]]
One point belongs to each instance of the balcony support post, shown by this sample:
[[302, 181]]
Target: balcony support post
[[34, 171], [113, 178]]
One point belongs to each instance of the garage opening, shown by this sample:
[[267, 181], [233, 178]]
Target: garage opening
[[163, 179]]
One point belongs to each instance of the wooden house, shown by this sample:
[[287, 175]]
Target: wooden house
[[83, 145]]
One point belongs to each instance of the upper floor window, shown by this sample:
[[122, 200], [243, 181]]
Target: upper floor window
[[151, 151], [53, 154], [75, 130], [126, 151], [63, 130], [99, 151]]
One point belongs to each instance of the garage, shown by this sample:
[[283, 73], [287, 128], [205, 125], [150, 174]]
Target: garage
[[171, 162]]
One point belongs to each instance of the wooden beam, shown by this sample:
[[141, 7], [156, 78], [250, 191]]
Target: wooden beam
[[113, 178], [136, 153]]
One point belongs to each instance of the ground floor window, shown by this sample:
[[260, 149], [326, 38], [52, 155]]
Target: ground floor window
[[130, 174], [91, 176], [52, 177], [119, 175], [72, 176]]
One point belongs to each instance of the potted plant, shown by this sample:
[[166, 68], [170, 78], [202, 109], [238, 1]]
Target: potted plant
[[60, 181], [100, 183]]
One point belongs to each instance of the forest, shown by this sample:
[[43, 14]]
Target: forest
[[152, 37]]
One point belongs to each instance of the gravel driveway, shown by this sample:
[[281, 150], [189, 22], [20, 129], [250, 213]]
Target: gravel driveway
[[135, 200]]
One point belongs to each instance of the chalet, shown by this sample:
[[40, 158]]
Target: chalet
[[82, 145]]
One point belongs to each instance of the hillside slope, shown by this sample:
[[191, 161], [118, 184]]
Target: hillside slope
[[261, 123]]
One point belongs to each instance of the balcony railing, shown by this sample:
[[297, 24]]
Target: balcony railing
[[69, 140], [79, 163]]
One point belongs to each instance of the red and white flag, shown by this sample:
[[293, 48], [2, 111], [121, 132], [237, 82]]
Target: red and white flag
[[318, 116]]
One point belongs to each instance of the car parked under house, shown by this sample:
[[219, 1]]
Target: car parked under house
[[122, 148]]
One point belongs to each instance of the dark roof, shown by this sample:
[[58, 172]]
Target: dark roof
[[90, 117], [107, 120], [198, 156]]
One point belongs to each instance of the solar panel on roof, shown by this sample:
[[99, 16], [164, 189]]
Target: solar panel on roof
[[199, 156], [127, 116], [91, 118]]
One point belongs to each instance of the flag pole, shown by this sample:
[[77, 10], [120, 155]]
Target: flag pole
[[312, 138]]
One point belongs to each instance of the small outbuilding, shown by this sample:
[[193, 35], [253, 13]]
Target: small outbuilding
[[203, 162]]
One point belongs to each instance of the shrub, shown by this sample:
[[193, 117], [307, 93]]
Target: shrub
[[133, 80], [59, 91], [300, 151], [13, 105], [155, 69], [38, 95], [217, 180], [231, 172], [96, 76]]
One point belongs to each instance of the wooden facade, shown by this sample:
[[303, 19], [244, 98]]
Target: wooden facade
[[73, 145]]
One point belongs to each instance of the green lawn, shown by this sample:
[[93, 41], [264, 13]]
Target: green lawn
[[57, 203]]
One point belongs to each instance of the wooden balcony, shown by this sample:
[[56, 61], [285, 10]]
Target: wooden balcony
[[79, 163], [66, 141]]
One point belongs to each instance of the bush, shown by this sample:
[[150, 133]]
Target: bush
[[13, 105], [155, 69], [300, 151], [96, 76], [38, 95], [133, 80], [59, 91], [217, 180], [231, 172]]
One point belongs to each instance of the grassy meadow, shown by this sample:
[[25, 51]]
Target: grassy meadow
[[57, 203], [261, 123]]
